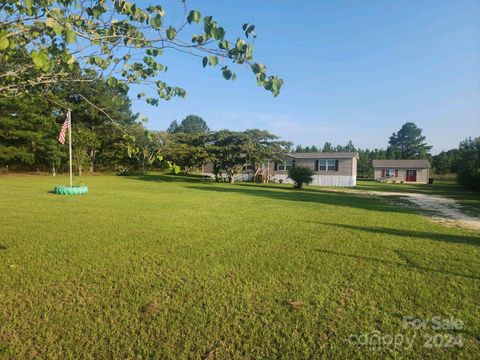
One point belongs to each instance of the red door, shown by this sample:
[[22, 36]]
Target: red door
[[411, 175]]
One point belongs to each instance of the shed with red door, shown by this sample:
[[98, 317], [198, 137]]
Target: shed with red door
[[412, 171]]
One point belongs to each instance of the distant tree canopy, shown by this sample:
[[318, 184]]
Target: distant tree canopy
[[44, 44], [29, 127], [232, 150], [365, 161], [145, 147], [191, 124], [468, 163], [188, 150], [408, 143], [28, 134], [188, 142], [327, 147], [446, 162]]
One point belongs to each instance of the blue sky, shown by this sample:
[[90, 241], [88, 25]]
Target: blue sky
[[352, 69]]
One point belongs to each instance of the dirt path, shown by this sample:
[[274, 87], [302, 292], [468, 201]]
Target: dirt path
[[448, 210]]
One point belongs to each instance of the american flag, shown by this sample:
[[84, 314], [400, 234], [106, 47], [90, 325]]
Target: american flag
[[63, 130]]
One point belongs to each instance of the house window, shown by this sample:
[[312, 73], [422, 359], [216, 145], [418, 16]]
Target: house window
[[326, 165], [285, 165], [389, 172], [248, 167]]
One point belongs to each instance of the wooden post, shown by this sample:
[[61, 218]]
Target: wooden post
[[69, 117]]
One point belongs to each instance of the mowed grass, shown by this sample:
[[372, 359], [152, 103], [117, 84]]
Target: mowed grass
[[169, 267]]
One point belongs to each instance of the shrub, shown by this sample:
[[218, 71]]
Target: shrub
[[300, 175], [469, 180], [175, 169]]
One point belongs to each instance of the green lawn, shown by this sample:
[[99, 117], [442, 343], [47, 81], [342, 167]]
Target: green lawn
[[171, 268]]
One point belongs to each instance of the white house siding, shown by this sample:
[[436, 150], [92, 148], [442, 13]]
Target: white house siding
[[322, 180], [354, 169]]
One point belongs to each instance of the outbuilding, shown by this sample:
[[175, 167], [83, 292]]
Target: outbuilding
[[411, 171]]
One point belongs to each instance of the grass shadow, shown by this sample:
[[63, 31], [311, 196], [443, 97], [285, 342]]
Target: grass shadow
[[459, 239], [409, 265], [169, 178], [3, 247], [315, 196]]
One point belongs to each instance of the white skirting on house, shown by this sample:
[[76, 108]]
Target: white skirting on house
[[321, 180], [318, 180]]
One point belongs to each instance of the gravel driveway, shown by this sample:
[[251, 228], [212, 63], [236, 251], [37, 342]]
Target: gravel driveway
[[448, 210]]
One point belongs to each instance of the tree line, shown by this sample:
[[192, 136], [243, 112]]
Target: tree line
[[108, 136], [409, 143]]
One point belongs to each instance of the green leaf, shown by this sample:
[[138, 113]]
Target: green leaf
[[213, 60], [257, 68], [194, 16], [218, 33], [154, 52], [71, 60], [250, 30], [223, 45], [227, 74], [57, 28], [4, 43], [70, 36], [50, 22], [40, 59], [3, 40], [156, 21], [171, 33], [241, 45], [205, 61], [28, 4]]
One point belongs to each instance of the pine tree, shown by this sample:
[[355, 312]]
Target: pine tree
[[408, 143]]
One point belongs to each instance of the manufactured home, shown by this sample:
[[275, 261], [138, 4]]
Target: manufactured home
[[330, 169], [412, 171]]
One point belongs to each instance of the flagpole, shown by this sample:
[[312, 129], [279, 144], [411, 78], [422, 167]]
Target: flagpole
[[69, 117]]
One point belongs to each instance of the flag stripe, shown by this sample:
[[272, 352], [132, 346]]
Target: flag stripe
[[63, 130]]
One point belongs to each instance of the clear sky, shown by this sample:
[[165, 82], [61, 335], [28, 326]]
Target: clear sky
[[352, 69]]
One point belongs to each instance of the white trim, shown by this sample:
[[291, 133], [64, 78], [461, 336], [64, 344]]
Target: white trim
[[390, 170], [284, 165], [327, 165]]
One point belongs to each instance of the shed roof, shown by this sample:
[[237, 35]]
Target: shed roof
[[401, 164]]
